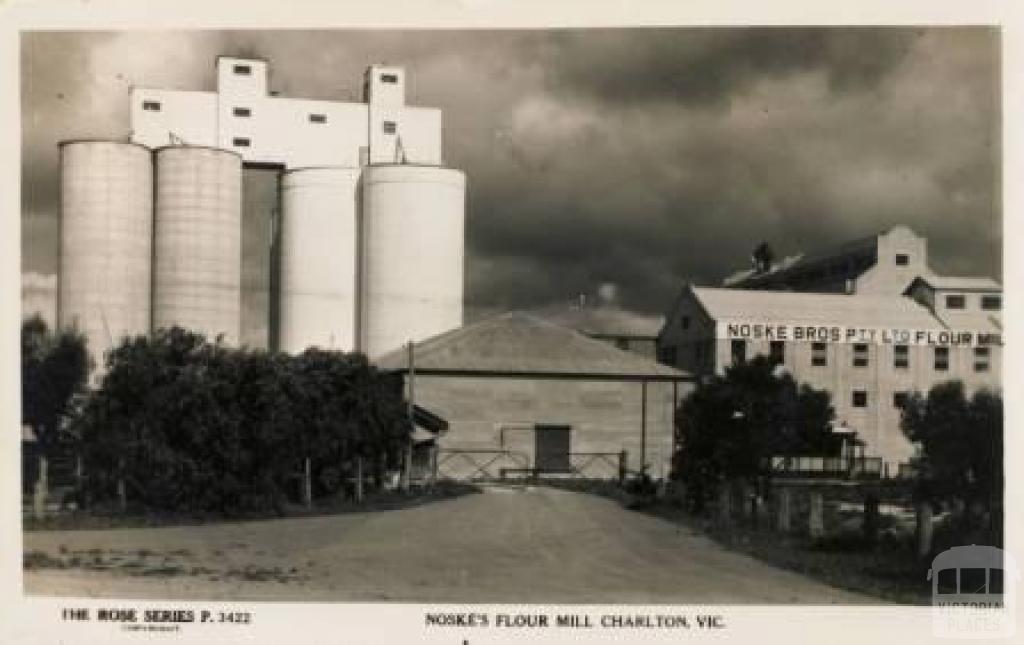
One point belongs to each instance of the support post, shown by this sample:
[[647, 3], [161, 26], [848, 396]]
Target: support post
[[816, 518], [784, 501], [359, 479], [643, 428], [42, 488], [122, 489], [623, 461], [410, 408], [307, 483], [433, 463], [924, 528]]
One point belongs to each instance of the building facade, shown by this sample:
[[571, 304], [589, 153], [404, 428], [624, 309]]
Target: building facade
[[519, 393]]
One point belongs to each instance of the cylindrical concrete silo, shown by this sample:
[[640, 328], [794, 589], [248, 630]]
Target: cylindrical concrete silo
[[317, 295], [198, 241], [106, 236], [413, 231]]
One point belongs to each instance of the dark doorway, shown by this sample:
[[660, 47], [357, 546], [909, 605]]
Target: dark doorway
[[552, 448]]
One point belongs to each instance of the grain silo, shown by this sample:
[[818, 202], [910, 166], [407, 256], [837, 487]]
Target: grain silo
[[413, 230], [198, 241], [317, 295], [106, 233]]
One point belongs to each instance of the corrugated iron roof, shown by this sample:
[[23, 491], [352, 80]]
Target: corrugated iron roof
[[815, 308], [604, 321], [517, 342]]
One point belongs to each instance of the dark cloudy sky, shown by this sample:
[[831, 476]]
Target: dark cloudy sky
[[640, 158]]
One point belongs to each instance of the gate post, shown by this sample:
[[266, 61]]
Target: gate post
[[623, 460], [359, 479], [784, 498], [307, 484], [816, 519], [725, 504], [924, 528], [42, 488]]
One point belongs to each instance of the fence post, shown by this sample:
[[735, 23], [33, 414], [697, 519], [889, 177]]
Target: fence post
[[433, 463], [359, 479], [122, 490], [307, 484], [725, 504], [41, 489], [816, 518], [784, 499], [924, 528], [623, 460], [871, 517]]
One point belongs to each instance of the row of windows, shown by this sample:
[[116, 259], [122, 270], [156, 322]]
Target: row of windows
[[244, 113], [859, 399], [988, 303], [900, 360]]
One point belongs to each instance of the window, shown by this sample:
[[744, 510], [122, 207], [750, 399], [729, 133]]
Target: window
[[819, 354], [860, 355], [389, 78], [684, 322], [955, 302], [777, 352], [151, 106], [991, 303], [739, 351], [899, 400], [318, 118], [902, 259], [901, 356], [981, 359], [240, 142], [621, 343], [242, 70], [389, 127], [667, 355], [860, 399], [242, 111], [942, 358]]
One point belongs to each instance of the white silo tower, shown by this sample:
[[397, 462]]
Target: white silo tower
[[198, 241], [106, 234], [317, 293], [413, 234]]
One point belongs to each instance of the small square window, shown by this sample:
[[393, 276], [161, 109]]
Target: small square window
[[942, 358], [860, 355], [902, 259], [955, 302], [242, 111], [242, 70], [991, 303], [819, 354], [901, 356], [318, 118], [981, 359], [241, 142], [777, 352], [390, 127], [389, 78], [151, 106], [899, 400], [739, 351], [860, 399]]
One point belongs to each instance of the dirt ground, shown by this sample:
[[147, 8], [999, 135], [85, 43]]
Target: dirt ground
[[508, 545]]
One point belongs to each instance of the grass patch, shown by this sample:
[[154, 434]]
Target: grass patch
[[34, 560], [106, 518]]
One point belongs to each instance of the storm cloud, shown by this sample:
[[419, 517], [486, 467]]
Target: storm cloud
[[640, 158]]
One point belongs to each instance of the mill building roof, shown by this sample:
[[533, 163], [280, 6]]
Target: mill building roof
[[815, 308], [955, 283]]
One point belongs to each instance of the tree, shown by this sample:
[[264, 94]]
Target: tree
[[729, 425], [961, 444], [54, 368]]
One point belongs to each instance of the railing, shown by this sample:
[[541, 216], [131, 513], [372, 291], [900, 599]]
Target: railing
[[832, 467], [454, 463]]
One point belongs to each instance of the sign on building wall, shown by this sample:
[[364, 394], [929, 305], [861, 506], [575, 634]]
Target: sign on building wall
[[843, 334]]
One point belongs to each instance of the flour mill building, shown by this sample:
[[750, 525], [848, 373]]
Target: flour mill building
[[869, 322]]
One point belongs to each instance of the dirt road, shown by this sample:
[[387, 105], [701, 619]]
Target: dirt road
[[535, 545]]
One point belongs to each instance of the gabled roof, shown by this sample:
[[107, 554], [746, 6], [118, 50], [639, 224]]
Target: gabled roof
[[604, 320], [954, 283], [815, 308], [519, 343]]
